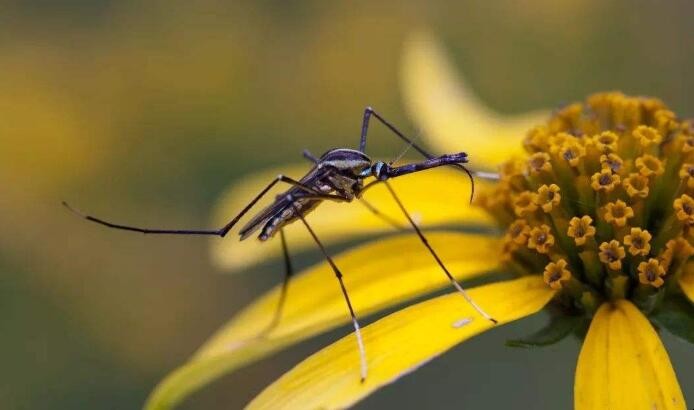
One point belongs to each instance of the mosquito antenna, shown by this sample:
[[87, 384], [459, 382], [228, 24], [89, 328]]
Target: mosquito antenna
[[409, 146], [402, 153]]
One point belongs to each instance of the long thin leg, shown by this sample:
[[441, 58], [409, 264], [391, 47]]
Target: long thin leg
[[368, 112], [307, 154], [338, 275], [219, 232], [288, 272], [436, 256]]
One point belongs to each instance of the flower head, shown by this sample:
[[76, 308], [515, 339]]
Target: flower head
[[613, 242]]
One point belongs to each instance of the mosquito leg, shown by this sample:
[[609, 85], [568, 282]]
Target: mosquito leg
[[368, 112], [387, 219], [288, 272], [307, 154], [218, 232], [436, 256], [338, 274]]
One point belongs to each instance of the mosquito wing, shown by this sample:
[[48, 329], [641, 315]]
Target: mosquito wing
[[282, 203], [265, 215]]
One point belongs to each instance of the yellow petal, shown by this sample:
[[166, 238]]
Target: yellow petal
[[377, 275], [452, 116], [397, 345], [434, 198], [623, 364], [687, 281]]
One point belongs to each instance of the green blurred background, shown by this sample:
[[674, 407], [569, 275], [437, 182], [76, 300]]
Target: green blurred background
[[146, 112]]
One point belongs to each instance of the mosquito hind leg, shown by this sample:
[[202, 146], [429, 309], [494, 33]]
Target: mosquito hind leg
[[338, 275], [288, 272], [436, 256], [216, 232]]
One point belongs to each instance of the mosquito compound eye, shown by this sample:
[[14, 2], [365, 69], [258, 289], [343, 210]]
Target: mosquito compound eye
[[380, 170]]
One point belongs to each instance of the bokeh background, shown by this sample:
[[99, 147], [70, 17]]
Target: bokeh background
[[144, 112]]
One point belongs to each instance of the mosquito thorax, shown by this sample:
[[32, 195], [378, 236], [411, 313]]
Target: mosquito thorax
[[345, 159]]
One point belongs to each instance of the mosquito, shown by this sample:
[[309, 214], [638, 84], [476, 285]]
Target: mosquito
[[338, 175]]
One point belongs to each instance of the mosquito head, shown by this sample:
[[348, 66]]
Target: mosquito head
[[346, 160], [380, 170]]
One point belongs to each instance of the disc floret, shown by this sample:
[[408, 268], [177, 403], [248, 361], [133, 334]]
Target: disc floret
[[603, 204]]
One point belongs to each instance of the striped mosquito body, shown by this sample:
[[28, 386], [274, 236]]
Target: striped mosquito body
[[340, 175], [337, 173]]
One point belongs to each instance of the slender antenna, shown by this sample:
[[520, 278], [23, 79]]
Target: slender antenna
[[436, 257], [402, 154]]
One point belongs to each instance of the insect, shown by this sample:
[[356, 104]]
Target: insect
[[338, 175]]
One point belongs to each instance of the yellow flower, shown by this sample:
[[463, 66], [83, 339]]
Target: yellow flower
[[580, 151]]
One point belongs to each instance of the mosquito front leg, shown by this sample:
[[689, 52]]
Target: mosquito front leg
[[368, 112], [436, 256], [307, 154]]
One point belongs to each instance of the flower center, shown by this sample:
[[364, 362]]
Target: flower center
[[603, 205]]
